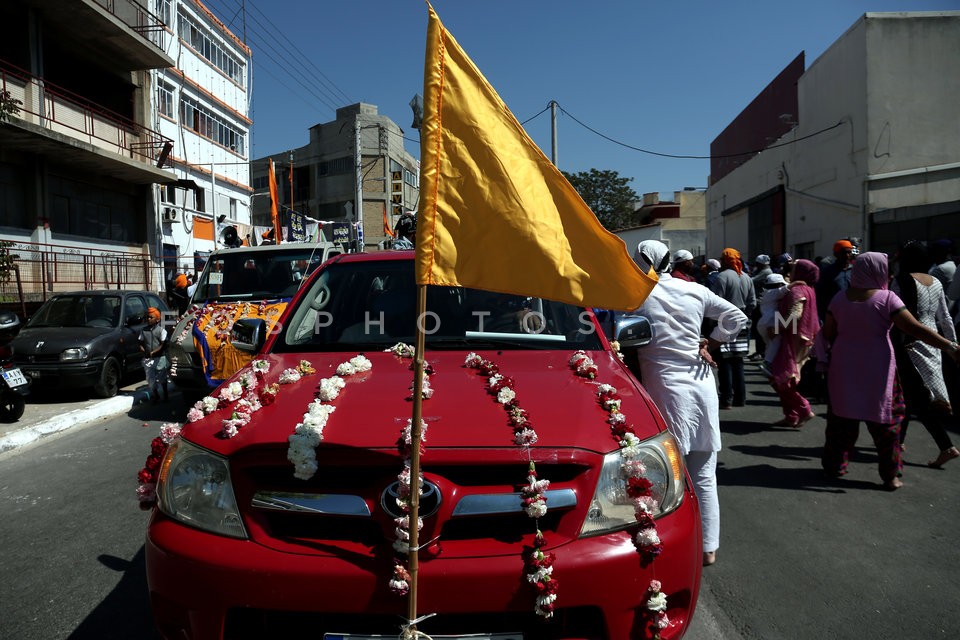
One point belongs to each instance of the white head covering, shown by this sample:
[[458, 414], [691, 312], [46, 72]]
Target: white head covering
[[682, 255], [650, 255]]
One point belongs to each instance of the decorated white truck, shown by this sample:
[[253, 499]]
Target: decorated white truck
[[243, 282]]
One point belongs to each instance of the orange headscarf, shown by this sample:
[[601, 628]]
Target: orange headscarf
[[731, 258], [153, 312], [180, 281]]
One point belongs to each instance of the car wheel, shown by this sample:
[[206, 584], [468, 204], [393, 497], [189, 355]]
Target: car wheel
[[109, 379], [11, 408]]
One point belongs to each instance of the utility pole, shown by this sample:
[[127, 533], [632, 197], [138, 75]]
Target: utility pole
[[292, 201], [213, 196], [553, 132], [359, 196]]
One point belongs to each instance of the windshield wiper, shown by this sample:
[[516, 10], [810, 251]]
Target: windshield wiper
[[480, 343]]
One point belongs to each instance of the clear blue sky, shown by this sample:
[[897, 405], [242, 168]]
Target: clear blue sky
[[667, 76]]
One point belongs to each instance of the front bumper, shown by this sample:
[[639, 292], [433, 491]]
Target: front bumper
[[207, 587], [63, 375]]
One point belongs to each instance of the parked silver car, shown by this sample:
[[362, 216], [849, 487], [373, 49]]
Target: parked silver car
[[85, 339]]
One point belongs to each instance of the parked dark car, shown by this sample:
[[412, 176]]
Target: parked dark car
[[85, 339]]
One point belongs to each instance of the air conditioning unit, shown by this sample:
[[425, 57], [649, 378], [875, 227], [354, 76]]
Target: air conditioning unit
[[170, 214]]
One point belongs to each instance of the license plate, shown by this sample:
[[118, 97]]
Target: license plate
[[14, 378], [475, 636]]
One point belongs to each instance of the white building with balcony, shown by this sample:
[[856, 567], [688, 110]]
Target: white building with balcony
[[202, 104]]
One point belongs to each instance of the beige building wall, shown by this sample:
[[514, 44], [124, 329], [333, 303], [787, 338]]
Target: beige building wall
[[875, 143]]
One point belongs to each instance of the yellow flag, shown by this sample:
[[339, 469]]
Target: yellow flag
[[494, 212]]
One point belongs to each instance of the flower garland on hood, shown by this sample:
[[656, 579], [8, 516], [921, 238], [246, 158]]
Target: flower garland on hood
[[399, 582], [538, 565], [638, 487], [308, 434], [248, 394]]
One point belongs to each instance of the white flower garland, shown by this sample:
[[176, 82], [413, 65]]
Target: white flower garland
[[308, 434]]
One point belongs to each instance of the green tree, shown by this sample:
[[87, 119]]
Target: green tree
[[607, 195], [9, 106]]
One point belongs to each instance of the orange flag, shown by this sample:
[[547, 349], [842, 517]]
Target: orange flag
[[494, 212], [274, 214]]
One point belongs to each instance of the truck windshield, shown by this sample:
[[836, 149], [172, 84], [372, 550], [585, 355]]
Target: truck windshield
[[256, 275], [372, 305]]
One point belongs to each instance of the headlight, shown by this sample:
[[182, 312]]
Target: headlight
[[612, 509], [77, 353], [194, 488]]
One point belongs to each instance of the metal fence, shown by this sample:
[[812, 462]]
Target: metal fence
[[35, 271]]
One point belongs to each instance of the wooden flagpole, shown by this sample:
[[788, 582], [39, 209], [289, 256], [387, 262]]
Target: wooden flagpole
[[415, 437]]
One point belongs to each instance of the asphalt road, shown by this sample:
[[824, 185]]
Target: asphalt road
[[801, 557]]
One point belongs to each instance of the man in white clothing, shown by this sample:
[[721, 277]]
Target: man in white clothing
[[680, 379]]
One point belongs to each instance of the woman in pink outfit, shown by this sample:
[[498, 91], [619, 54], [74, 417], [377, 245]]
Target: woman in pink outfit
[[862, 370], [798, 330]]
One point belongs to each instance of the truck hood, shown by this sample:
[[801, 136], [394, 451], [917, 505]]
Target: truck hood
[[374, 406]]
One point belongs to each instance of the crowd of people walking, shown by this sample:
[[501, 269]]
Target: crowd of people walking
[[872, 336]]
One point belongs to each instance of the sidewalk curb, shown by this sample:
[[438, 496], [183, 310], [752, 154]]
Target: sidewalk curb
[[78, 417]]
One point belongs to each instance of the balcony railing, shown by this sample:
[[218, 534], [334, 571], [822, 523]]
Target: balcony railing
[[57, 109], [138, 18]]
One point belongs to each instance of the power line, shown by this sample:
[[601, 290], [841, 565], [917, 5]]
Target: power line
[[688, 157], [281, 58], [293, 58]]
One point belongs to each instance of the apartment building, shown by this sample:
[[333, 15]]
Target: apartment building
[[358, 157], [202, 104], [79, 155], [123, 142]]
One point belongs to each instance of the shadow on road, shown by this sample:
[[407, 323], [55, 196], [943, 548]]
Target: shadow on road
[[803, 479], [125, 613]]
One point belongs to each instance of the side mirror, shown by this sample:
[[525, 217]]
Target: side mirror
[[9, 325], [136, 319], [633, 331], [248, 334]]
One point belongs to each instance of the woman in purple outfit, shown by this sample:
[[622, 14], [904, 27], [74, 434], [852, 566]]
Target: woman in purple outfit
[[798, 330], [862, 370]]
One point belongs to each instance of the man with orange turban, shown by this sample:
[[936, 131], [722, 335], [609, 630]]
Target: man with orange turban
[[835, 274], [153, 344], [736, 287], [179, 298]]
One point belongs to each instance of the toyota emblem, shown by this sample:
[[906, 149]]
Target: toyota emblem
[[430, 500]]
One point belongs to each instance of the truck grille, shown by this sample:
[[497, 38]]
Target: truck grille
[[351, 503]]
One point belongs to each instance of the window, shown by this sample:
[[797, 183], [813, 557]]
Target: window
[[134, 306], [202, 120], [165, 100], [203, 42], [335, 167], [163, 11]]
